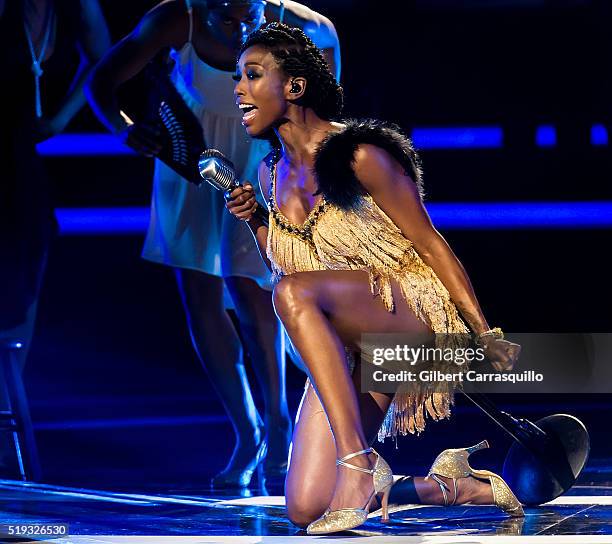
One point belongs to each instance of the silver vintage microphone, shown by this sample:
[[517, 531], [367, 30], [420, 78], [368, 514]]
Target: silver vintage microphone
[[219, 171]]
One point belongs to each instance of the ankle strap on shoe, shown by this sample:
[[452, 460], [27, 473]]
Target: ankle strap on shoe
[[354, 467], [444, 488]]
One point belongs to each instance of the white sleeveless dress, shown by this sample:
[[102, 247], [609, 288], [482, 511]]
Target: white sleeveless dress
[[189, 226]]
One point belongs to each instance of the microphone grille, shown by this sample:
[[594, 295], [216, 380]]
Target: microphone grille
[[217, 169], [210, 153]]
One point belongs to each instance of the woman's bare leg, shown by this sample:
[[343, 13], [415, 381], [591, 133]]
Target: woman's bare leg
[[264, 339], [218, 346], [312, 463], [323, 311], [421, 490], [312, 468]]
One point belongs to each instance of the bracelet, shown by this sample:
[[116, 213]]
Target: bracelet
[[496, 332]]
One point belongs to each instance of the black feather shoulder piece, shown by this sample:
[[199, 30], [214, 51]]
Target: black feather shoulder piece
[[333, 165]]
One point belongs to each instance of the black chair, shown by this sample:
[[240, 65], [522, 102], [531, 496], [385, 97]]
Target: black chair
[[15, 414]]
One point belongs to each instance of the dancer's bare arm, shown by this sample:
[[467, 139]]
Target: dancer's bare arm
[[166, 25], [397, 195], [318, 28]]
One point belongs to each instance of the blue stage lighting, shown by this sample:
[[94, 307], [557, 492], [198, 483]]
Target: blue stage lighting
[[546, 136], [521, 215], [102, 221], [457, 137], [599, 135], [83, 144], [456, 215], [424, 138]]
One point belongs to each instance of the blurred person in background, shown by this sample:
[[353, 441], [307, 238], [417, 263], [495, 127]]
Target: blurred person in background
[[37, 39], [189, 229]]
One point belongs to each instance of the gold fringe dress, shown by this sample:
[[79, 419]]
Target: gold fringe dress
[[367, 239]]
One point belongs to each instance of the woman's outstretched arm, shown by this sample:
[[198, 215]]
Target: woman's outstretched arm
[[166, 25], [398, 196]]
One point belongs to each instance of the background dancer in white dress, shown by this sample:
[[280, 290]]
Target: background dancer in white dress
[[189, 228]]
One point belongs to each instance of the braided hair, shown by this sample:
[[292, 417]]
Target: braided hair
[[298, 56]]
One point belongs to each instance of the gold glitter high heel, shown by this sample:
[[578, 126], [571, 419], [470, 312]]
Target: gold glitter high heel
[[344, 519], [453, 463]]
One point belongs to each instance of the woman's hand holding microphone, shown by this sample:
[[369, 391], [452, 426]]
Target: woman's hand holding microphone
[[241, 202]]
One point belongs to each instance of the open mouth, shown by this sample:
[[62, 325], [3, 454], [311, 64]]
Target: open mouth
[[249, 111]]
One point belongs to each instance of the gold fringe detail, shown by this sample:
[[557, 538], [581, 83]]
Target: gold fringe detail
[[408, 411], [367, 239]]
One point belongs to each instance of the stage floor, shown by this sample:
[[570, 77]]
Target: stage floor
[[129, 460], [95, 516]]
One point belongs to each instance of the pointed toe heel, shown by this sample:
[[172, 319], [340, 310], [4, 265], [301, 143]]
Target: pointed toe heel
[[454, 464], [344, 519]]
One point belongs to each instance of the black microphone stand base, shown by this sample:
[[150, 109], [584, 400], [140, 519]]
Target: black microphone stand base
[[547, 469]]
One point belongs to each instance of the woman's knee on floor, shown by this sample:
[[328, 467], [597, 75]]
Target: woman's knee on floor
[[304, 506]]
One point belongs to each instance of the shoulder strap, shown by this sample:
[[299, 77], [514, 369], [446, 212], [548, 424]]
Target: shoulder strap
[[270, 160], [281, 16], [190, 15]]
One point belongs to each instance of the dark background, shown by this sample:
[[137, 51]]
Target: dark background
[[117, 394]]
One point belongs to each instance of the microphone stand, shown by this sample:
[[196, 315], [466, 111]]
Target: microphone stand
[[547, 456]]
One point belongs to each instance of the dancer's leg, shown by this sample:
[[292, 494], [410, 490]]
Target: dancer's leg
[[312, 464], [312, 469], [218, 347], [323, 311], [421, 490], [24, 332], [264, 340], [31, 273]]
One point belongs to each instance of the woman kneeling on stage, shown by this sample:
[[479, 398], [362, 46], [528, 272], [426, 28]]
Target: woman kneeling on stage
[[353, 251]]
